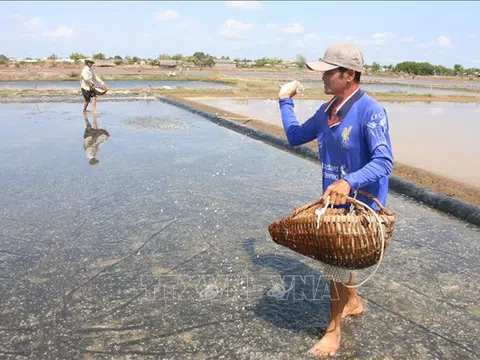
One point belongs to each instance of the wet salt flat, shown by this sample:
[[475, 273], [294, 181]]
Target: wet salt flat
[[472, 85], [160, 250], [117, 84], [139, 84], [406, 89], [440, 137]]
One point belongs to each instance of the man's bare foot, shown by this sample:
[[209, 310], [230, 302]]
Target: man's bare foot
[[328, 344], [353, 307]]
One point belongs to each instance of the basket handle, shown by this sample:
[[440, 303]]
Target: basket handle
[[371, 197], [305, 207], [380, 232], [381, 235], [349, 199]]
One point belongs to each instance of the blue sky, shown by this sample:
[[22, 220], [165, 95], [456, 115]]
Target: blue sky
[[442, 33]]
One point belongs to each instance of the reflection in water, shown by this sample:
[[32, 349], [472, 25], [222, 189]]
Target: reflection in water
[[298, 299], [93, 139]]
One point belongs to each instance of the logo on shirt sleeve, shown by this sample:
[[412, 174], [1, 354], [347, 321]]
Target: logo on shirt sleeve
[[378, 116], [378, 127]]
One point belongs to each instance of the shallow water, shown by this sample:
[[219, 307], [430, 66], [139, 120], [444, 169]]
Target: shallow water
[[439, 136], [403, 89], [117, 84], [467, 84], [160, 250], [139, 84], [310, 75]]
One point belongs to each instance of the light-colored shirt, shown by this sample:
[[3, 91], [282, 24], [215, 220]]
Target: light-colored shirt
[[92, 144], [88, 75]]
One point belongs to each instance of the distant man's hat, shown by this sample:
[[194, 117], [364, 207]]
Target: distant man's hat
[[339, 55], [89, 60]]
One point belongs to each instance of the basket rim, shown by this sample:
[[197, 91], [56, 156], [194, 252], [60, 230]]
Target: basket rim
[[343, 213], [320, 202]]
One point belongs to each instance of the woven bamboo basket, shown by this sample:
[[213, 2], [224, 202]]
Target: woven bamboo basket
[[347, 238], [99, 91]]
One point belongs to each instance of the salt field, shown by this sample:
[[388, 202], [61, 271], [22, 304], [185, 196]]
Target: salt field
[[160, 248]]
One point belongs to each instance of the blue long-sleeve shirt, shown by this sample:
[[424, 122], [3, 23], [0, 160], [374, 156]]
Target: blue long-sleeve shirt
[[357, 150]]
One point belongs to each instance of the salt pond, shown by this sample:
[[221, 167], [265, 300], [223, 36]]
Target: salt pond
[[472, 85], [139, 84], [117, 84], [160, 250], [404, 89], [439, 136]]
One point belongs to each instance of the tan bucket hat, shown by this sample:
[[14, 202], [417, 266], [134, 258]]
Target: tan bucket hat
[[340, 55]]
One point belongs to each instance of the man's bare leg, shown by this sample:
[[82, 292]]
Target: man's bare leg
[[94, 105], [330, 342], [354, 306], [85, 105]]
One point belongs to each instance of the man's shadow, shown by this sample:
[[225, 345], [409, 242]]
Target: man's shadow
[[297, 296], [93, 139]]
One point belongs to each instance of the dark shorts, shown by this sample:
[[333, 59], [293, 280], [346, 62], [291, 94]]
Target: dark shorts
[[88, 94], [89, 131]]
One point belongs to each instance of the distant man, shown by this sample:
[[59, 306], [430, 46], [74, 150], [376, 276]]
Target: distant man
[[87, 83]]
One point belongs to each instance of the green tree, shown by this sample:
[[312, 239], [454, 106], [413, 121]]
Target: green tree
[[209, 61], [117, 59], [472, 72], [375, 67], [416, 68], [458, 70], [271, 61], [77, 56], [199, 55], [301, 61], [53, 57], [99, 56], [202, 59], [3, 59], [443, 71], [164, 57], [177, 57], [131, 60]]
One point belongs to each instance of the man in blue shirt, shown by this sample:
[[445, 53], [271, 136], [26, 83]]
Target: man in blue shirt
[[355, 153]]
